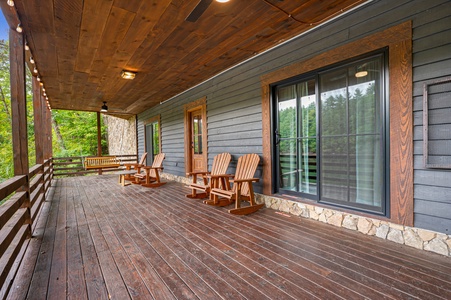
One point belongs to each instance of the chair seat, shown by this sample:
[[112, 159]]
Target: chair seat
[[223, 193], [197, 186]]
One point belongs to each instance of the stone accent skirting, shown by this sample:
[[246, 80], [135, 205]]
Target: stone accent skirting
[[410, 236]]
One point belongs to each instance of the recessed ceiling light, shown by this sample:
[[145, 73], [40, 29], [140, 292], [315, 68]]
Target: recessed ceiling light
[[361, 74], [128, 74]]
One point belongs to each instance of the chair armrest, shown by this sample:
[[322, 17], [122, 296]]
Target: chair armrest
[[222, 176], [197, 173], [246, 180], [150, 168]]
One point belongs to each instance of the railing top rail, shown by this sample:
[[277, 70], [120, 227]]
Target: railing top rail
[[11, 185]]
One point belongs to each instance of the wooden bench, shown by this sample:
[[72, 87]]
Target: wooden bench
[[101, 162]]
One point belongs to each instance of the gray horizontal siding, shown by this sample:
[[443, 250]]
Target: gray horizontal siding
[[234, 97]]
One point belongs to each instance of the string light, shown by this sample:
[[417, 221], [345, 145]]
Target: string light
[[19, 28], [10, 2], [38, 78], [35, 70], [27, 48], [31, 59]]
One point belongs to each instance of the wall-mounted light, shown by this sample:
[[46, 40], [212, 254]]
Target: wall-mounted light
[[128, 74], [104, 107], [10, 2], [19, 28]]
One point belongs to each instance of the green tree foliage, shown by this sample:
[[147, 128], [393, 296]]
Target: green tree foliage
[[78, 133], [78, 130]]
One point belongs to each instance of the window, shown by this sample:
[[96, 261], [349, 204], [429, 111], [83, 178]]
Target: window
[[330, 135], [152, 140]]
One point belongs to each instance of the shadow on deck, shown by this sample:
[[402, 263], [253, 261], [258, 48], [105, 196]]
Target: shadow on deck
[[96, 239]]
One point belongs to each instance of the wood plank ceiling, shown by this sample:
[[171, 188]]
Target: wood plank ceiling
[[81, 46]]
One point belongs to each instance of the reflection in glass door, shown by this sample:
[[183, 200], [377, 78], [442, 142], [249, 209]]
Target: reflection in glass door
[[296, 137]]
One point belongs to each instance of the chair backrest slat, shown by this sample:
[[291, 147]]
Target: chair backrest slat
[[157, 163], [143, 158], [220, 164], [245, 169]]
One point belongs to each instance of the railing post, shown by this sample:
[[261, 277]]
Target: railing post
[[39, 129], [19, 113], [99, 139]]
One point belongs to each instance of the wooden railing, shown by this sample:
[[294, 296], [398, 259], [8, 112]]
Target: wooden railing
[[18, 215], [74, 166]]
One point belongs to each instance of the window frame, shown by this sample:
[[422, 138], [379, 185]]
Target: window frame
[[149, 121]]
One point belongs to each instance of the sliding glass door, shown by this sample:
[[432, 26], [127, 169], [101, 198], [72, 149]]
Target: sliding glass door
[[330, 135], [296, 137]]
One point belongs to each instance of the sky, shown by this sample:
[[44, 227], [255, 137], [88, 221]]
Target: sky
[[4, 34]]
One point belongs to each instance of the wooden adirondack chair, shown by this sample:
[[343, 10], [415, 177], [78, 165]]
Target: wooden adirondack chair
[[151, 177], [242, 187], [135, 166], [219, 166]]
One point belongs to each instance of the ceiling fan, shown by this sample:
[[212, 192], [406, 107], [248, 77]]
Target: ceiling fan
[[200, 9]]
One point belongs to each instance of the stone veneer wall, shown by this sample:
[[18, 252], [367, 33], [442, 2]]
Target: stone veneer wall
[[121, 135], [414, 237]]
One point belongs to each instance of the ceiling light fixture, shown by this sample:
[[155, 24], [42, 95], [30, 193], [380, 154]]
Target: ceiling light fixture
[[10, 2], [19, 28], [128, 74], [222, 1], [104, 107]]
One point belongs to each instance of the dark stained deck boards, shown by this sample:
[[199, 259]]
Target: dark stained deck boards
[[98, 240]]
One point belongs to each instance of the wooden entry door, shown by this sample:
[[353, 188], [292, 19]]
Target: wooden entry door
[[197, 156], [196, 136]]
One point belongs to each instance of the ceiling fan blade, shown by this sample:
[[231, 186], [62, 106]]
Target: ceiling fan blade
[[198, 10]]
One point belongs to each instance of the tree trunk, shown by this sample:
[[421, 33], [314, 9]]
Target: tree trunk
[[59, 137], [5, 105]]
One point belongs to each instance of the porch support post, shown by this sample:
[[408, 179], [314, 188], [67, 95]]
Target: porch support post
[[19, 113], [99, 139], [18, 103], [40, 130]]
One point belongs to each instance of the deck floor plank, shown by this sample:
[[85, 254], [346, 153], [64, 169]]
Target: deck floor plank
[[58, 271], [41, 272], [249, 258], [113, 280], [274, 250], [76, 287], [100, 240]]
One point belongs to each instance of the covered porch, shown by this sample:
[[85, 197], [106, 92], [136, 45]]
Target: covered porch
[[95, 239]]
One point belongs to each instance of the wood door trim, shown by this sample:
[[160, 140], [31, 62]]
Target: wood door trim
[[398, 39], [199, 104]]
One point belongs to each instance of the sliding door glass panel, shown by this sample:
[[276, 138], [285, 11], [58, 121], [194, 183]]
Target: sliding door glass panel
[[287, 130], [352, 163]]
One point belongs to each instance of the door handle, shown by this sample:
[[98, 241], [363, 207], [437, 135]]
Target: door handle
[[277, 137]]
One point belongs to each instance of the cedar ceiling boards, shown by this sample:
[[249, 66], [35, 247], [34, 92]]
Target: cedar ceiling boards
[[81, 47]]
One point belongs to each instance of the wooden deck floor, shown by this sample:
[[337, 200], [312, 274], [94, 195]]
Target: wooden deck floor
[[98, 240]]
